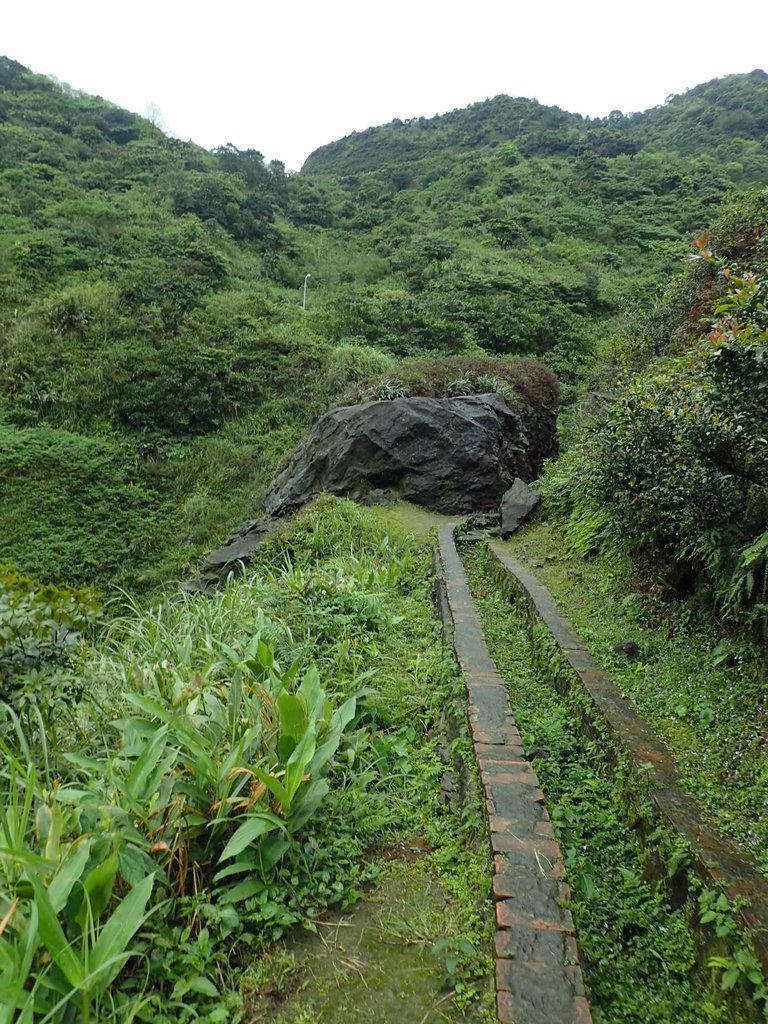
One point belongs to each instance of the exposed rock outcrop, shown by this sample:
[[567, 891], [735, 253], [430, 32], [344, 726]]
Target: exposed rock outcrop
[[242, 543], [454, 455]]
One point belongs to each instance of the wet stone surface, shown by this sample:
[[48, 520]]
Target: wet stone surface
[[538, 979], [372, 964]]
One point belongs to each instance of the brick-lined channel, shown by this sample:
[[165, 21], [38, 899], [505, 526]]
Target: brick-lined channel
[[538, 978], [717, 859]]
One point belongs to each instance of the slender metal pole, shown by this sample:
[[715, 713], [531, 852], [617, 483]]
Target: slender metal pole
[[305, 290]]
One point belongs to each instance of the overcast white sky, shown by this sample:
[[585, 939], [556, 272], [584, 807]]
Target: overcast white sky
[[285, 77]]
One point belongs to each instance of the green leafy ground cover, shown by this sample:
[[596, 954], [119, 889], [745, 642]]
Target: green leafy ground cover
[[635, 942], [225, 770]]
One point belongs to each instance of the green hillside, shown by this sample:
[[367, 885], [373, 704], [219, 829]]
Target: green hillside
[[189, 779], [151, 292], [672, 467], [521, 227], [702, 119], [146, 313]]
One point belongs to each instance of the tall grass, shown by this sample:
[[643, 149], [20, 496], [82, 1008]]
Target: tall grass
[[233, 752]]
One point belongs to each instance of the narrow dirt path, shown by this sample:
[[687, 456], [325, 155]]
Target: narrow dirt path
[[538, 979]]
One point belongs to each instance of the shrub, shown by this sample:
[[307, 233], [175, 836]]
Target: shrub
[[345, 364], [677, 469], [516, 379], [74, 508], [39, 624]]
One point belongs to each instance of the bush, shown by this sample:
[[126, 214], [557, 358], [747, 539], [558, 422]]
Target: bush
[[677, 470], [516, 379], [346, 364], [74, 509], [39, 624], [174, 389], [224, 770]]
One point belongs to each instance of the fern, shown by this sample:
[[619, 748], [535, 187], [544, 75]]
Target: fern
[[587, 529]]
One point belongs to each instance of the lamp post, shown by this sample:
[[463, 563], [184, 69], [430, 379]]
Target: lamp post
[[306, 278]]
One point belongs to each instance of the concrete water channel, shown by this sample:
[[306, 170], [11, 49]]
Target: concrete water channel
[[538, 978], [535, 938]]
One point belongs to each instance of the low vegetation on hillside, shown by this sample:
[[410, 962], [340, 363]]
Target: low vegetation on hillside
[[674, 469], [181, 788], [154, 353]]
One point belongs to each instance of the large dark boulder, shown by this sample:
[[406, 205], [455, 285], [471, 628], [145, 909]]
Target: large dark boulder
[[454, 455]]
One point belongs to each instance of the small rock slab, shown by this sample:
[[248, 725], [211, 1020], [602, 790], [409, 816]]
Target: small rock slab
[[236, 553], [516, 505], [538, 979], [240, 546]]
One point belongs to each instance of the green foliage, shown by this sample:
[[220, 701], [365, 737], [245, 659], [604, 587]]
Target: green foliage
[[39, 623], [41, 651], [76, 508], [247, 756], [174, 390], [517, 379], [676, 469], [346, 364], [399, 322], [740, 966], [221, 775], [699, 688], [59, 949], [227, 200], [524, 226]]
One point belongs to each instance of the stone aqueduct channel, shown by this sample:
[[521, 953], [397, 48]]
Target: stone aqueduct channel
[[538, 978]]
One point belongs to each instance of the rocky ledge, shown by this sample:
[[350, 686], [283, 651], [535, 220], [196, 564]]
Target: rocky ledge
[[454, 455]]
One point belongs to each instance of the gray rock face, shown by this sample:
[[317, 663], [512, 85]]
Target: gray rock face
[[517, 503], [454, 455], [240, 545]]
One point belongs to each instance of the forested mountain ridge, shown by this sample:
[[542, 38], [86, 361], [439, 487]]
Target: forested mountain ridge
[[523, 227], [155, 359], [698, 120]]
